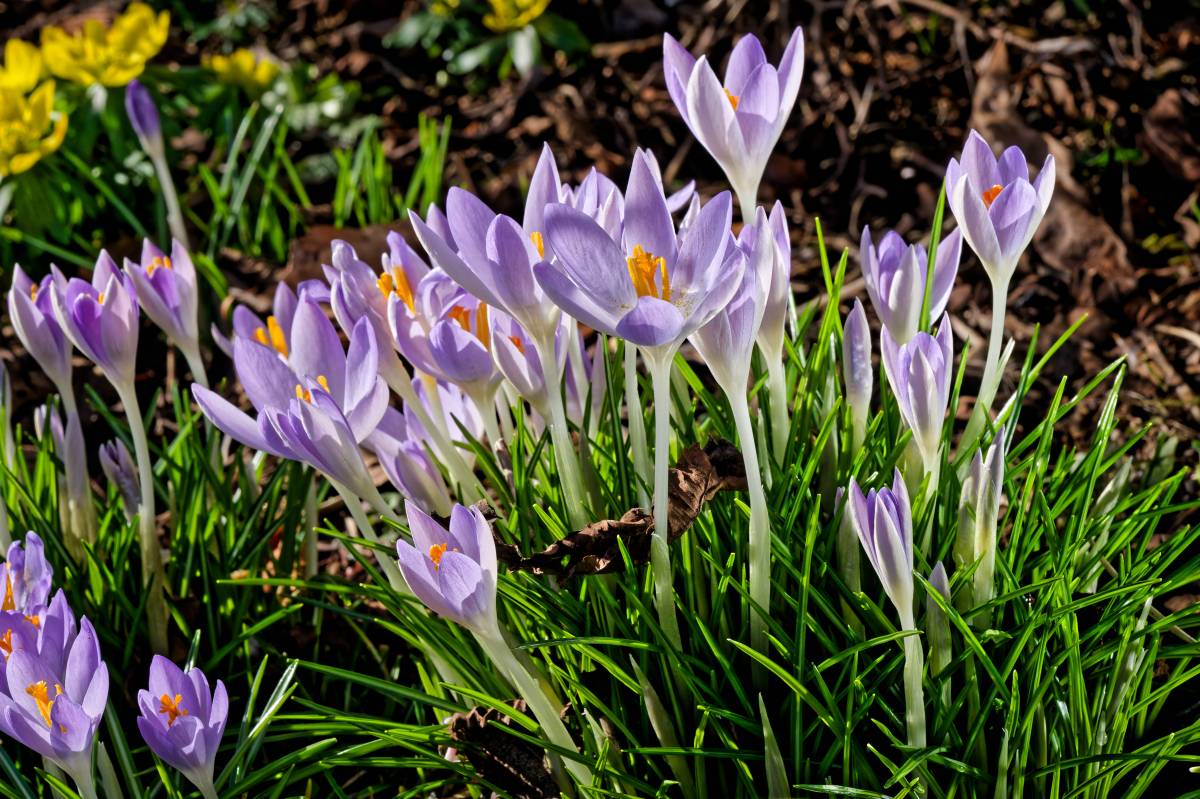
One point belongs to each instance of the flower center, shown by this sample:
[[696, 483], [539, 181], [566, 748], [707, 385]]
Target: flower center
[[9, 603], [482, 332], [33, 292], [643, 268], [396, 282], [159, 262], [272, 336], [6, 644], [41, 695], [733, 99], [990, 195], [538, 242], [303, 393], [171, 707]]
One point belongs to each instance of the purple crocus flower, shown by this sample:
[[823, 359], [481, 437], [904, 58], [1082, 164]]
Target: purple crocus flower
[[518, 360], [740, 119], [452, 409], [779, 288], [997, 207], [726, 342], [650, 288], [883, 520], [118, 467], [53, 705], [920, 373], [274, 332], [143, 114], [183, 720], [408, 465], [166, 291], [453, 571], [857, 373], [100, 318], [25, 577], [32, 313], [895, 274]]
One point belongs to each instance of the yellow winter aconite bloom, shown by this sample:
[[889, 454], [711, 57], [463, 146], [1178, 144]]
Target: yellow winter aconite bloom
[[111, 56], [29, 128], [511, 15], [243, 69], [22, 66]]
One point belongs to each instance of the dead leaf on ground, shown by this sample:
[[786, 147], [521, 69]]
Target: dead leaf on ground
[[516, 767], [697, 477]]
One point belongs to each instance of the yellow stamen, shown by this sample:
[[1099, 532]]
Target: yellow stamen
[[303, 394], [100, 298], [324, 383], [41, 694], [33, 292], [396, 282], [163, 262], [733, 99], [538, 242], [8, 604], [990, 195], [435, 554], [643, 266], [35, 621], [482, 332], [171, 707], [272, 336]]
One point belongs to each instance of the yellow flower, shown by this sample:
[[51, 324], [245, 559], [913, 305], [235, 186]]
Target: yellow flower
[[511, 15], [245, 70], [111, 56], [444, 8], [22, 66], [29, 128]]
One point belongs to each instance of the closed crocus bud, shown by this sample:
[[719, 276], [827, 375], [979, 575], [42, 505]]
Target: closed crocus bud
[[183, 720], [920, 373], [519, 361], [143, 114], [857, 373], [983, 489], [453, 571], [997, 207], [100, 318], [883, 520], [407, 464], [119, 469], [938, 626], [896, 276]]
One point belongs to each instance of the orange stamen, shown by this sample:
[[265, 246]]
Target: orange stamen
[[171, 707], [6, 644], [520, 345], [643, 268], [396, 282], [272, 336], [733, 99], [158, 263], [8, 603], [435, 554], [990, 195], [41, 695], [538, 242]]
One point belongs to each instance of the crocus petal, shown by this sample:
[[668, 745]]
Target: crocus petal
[[647, 220], [589, 257], [265, 378], [652, 323], [712, 115], [746, 58], [470, 219], [317, 349]]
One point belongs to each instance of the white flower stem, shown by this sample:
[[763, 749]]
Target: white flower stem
[[153, 574], [989, 384], [191, 353], [747, 200], [81, 514], [660, 555], [914, 693], [167, 184], [777, 391], [637, 425], [560, 435], [546, 710], [760, 524], [850, 568], [469, 487], [386, 562], [485, 402], [310, 529]]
